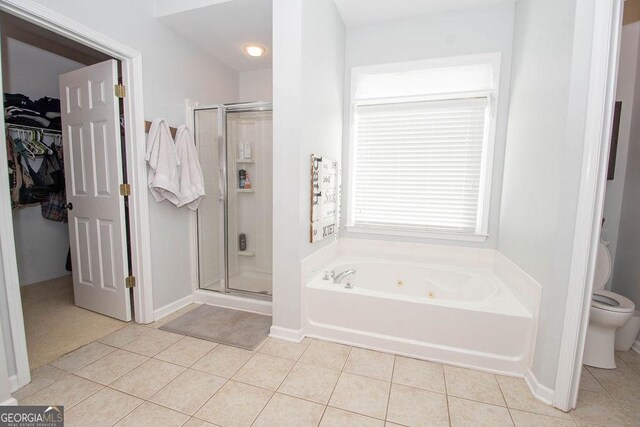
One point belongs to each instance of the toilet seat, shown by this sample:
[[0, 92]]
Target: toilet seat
[[610, 301]]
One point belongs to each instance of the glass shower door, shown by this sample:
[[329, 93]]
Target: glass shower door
[[250, 199], [211, 212]]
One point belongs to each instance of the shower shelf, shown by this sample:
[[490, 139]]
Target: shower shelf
[[245, 161], [246, 253], [246, 190]]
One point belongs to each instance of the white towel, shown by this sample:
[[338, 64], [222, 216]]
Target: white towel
[[162, 178], [191, 180]]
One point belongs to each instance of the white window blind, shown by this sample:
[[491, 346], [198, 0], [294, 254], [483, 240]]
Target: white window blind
[[418, 165]]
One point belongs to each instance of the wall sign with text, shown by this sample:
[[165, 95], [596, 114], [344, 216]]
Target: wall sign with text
[[325, 197]]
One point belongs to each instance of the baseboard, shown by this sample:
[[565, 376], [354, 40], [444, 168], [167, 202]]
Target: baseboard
[[636, 346], [9, 402], [541, 392], [13, 383], [293, 335], [231, 301], [173, 307]]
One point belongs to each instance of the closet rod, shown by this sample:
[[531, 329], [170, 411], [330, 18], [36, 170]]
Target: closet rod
[[147, 126], [16, 126]]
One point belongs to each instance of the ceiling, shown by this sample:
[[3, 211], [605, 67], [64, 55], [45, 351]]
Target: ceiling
[[222, 28], [356, 13]]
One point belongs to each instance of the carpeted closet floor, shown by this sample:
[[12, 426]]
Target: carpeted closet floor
[[54, 325]]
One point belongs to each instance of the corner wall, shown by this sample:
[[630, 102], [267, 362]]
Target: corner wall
[[308, 67], [543, 161]]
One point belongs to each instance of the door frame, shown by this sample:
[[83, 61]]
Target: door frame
[[131, 61], [607, 27]]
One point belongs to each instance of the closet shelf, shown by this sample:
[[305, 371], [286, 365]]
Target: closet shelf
[[252, 161], [246, 253], [246, 190]]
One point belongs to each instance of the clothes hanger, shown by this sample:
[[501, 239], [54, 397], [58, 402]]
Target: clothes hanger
[[22, 149], [39, 147], [31, 145], [39, 140]]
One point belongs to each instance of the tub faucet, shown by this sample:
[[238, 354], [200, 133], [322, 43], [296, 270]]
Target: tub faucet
[[338, 277]]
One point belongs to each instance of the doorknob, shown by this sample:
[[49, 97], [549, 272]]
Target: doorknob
[[69, 206]]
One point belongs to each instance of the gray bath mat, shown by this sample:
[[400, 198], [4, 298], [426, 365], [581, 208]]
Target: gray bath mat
[[222, 325]]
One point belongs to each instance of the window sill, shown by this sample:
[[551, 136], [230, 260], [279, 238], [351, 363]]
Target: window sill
[[479, 238]]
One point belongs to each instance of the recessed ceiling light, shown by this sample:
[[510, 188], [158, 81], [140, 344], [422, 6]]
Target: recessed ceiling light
[[254, 50]]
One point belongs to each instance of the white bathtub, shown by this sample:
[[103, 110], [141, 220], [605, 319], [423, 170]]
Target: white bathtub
[[449, 310]]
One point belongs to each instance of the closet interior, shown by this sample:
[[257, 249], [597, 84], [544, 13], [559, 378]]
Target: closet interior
[[32, 60]]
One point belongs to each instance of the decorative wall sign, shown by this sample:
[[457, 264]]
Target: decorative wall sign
[[325, 197]]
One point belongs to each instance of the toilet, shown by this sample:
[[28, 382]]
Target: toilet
[[609, 311]]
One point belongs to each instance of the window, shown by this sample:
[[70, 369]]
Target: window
[[421, 145]]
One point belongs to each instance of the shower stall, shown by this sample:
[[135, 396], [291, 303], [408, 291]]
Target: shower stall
[[235, 233]]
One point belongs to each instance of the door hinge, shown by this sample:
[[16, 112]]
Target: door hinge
[[120, 91], [130, 282], [125, 189]]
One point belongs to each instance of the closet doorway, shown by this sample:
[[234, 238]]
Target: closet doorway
[[64, 155]]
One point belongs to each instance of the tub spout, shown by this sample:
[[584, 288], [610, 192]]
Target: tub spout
[[343, 275]]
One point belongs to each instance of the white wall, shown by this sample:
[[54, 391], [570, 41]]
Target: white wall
[[627, 69], [41, 244], [471, 31], [551, 54], [308, 64], [173, 70], [626, 274], [256, 85], [323, 66]]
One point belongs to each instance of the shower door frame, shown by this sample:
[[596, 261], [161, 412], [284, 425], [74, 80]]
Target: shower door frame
[[223, 109]]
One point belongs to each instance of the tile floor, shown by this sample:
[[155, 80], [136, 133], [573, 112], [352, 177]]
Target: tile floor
[[141, 376]]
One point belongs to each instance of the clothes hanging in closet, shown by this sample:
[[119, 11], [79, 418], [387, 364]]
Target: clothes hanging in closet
[[45, 185], [34, 154]]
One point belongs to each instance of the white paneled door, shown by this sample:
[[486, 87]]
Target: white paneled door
[[93, 173]]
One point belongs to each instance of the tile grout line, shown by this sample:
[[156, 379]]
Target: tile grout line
[[606, 391], [88, 396], [506, 405], [386, 410], [221, 387], [230, 379], [127, 414], [446, 392], [335, 385]]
